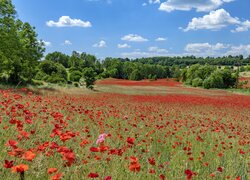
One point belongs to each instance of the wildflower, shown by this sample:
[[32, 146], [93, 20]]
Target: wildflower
[[20, 168], [93, 175], [8, 164], [101, 138]]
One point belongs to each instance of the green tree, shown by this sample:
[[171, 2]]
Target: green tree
[[59, 57], [90, 77], [20, 49]]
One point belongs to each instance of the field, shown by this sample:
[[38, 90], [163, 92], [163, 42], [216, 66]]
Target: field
[[125, 130]]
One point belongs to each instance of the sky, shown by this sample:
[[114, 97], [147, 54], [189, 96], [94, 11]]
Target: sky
[[140, 28]]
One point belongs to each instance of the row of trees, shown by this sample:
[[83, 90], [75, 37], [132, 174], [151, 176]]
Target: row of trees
[[191, 60]]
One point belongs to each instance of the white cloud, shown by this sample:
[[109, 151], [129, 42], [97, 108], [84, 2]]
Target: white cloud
[[101, 44], [144, 4], [218, 49], [152, 52], [134, 38], [157, 50], [154, 1], [204, 47], [66, 21], [244, 26], [239, 50], [161, 39], [215, 20], [46, 43], [187, 5], [122, 46], [67, 42]]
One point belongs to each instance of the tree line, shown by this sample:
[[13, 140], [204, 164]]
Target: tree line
[[22, 61]]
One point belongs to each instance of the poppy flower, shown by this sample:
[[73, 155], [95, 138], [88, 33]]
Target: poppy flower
[[52, 170], [57, 176], [134, 164], [130, 140], [20, 168], [29, 155], [93, 175], [8, 164]]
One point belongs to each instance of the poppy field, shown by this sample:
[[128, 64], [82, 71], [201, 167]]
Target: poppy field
[[199, 134]]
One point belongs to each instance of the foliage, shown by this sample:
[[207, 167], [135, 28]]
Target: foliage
[[75, 76], [90, 77], [51, 72], [209, 77], [20, 49]]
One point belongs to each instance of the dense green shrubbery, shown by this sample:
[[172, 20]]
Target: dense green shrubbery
[[51, 72], [209, 77]]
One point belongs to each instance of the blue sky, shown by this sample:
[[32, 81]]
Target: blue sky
[[141, 28]]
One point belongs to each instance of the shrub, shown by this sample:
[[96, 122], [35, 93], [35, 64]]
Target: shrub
[[197, 82], [75, 76]]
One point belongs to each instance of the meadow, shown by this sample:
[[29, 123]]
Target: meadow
[[125, 130]]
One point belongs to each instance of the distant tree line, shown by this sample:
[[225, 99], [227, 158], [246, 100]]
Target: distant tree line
[[191, 60], [22, 61]]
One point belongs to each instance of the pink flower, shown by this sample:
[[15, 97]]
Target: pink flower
[[101, 138]]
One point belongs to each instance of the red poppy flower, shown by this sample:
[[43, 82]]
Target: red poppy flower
[[52, 170], [20, 168], [93, 175], [8, 164], [29, 155], [130, 140]]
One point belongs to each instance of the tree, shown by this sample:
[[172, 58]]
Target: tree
[[90, 77], [20, 49], [59, 57]]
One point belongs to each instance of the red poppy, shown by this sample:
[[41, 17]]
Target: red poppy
[[93, 175], [52, 170], [151, 161], [134, 164], [29, 155], [57, 176], [130, 140], [8, 164], [20, 168]]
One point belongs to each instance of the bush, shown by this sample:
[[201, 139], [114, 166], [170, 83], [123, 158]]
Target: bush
[[197, 82], [90, 76], [51, 72], [215, 80], [75, 76]]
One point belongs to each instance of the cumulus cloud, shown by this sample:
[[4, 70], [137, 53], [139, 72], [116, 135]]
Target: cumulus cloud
[[66, 21], [187, 5], [122, 46], [215, 20], [204, 47], [239, 50], [160, 39], [101, 44], [218, 49], [46, 43], [134, 38], [67, 42], [244, 26]]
